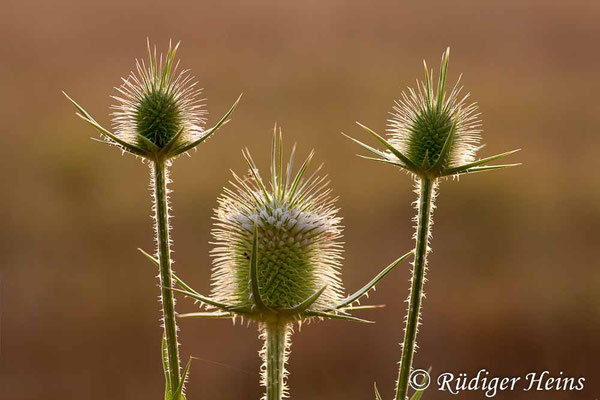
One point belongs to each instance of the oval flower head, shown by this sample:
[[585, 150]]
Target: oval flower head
[[434, 133], [289, 235], [277, 257], [158, 114]]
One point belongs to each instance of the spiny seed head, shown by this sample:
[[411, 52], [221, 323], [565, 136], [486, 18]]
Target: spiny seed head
[[427, 119], [297, 230], [157, 117], [158, 109], [432, 133], [158, 114]]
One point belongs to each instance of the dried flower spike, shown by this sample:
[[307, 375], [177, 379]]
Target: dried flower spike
[[277, 258], [432, 134]]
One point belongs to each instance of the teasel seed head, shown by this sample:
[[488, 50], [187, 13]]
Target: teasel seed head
[[278, 250], [158, 112], [157, 104], [277, 253], [292, 228], [434, 132], [427, 119]]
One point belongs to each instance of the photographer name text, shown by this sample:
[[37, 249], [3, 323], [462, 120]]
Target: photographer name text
[[490, 385]]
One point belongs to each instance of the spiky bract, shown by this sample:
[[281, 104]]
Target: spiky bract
[[298, 234]]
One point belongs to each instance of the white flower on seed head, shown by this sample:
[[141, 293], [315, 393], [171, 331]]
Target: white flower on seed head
[[298, 239]]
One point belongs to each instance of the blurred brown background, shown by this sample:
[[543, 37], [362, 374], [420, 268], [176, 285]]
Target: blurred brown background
[[514, 279]]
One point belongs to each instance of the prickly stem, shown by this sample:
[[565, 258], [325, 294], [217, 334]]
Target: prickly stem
[[161, 206], [276, 335], [425, 207]]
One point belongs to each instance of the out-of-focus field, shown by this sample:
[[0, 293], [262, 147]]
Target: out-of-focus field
[[514, 278]]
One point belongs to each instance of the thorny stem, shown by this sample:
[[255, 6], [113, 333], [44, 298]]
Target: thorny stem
[[426, 198], [166, 274], [276, 337]]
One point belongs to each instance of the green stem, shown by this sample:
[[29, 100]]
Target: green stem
[[426, 197], [161, 204], [276, 337]]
